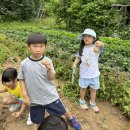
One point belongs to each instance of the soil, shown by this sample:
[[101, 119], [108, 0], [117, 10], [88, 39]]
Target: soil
[[109, 118]]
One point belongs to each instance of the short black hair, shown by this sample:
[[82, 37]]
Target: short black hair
[[53, 122], [10, 74], [36, 38]]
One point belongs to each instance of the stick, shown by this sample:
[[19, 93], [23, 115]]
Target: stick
[[73, 73]]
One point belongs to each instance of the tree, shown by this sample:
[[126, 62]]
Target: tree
[[17, 9]]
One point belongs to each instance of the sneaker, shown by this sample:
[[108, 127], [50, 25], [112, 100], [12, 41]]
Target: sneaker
[[14, 107], [29, 122], [94, 107], [74, 123], [83, 105]]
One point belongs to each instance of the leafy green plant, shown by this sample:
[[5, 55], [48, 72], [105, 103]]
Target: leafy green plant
[[62, 47]]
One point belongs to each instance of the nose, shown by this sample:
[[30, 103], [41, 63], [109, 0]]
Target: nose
[[38, 49]]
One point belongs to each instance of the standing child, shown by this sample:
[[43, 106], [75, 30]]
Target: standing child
[[88, 54], [35, 75], [11, 85]]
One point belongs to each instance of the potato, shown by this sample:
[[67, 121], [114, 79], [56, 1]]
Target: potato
[[44, 62], [96, 49]]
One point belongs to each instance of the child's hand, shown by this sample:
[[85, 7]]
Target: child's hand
[[47, 64], [74, 66], [16, 114], [99, 44]]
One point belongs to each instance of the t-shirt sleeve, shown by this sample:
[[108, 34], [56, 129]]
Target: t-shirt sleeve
[[21, 72], [101, 50]]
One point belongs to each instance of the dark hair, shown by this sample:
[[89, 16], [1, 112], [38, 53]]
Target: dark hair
[[53, 123], [9, 74], [36, 38], [82, 44]]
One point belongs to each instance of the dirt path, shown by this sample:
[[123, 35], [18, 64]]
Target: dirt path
[[109, 118]]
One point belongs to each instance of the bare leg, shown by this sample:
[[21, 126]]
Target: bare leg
[[82, 93], [92, 94], [72, 121], [9, 100], [92, 102], [38, 125], [68, 115]]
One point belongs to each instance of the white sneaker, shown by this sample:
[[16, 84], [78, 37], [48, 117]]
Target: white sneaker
[[94, 107], [14, 107], [83, 105], [29, 122]]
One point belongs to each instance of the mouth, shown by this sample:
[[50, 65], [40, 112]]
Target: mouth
[[38, 53], [87, 41]]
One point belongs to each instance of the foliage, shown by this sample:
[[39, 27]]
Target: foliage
[[121, 1], [96, 14], [63, 45], [18, 10], [10, 49], [79, 14]]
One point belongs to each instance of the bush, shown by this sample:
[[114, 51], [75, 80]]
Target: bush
[[18, 10]]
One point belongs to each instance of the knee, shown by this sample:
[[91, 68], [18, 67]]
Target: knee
[[92, 90], [5, 101]]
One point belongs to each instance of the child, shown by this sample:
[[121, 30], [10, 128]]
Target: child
[[54, 123], [35, 75], [88, 53], [11, 85]]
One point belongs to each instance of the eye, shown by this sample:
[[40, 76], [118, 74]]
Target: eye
[[34, 46]]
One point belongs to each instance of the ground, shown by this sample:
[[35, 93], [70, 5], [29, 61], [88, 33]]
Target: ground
[[109, 118]]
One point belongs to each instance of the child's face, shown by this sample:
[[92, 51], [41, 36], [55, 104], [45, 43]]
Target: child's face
[[88, 39], [12, 84], [37, 50]]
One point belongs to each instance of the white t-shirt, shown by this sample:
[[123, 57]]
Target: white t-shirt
[[89, 62]]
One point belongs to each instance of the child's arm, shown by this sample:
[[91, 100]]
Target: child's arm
[[51, 74], [18, 114], [77, 60], [26, 98]]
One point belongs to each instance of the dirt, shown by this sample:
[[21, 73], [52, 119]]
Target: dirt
[[109, 118]]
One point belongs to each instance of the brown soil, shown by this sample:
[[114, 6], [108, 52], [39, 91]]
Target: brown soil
[[109, 118]]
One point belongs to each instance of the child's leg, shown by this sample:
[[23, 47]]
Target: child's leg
[[10, 100], [29, 122], [82, 103], [68, 115], [37, 114], [82, 93], [92, 94], [58, 108], [93, 87], [83, 83], [72, 121], [92, 101]]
